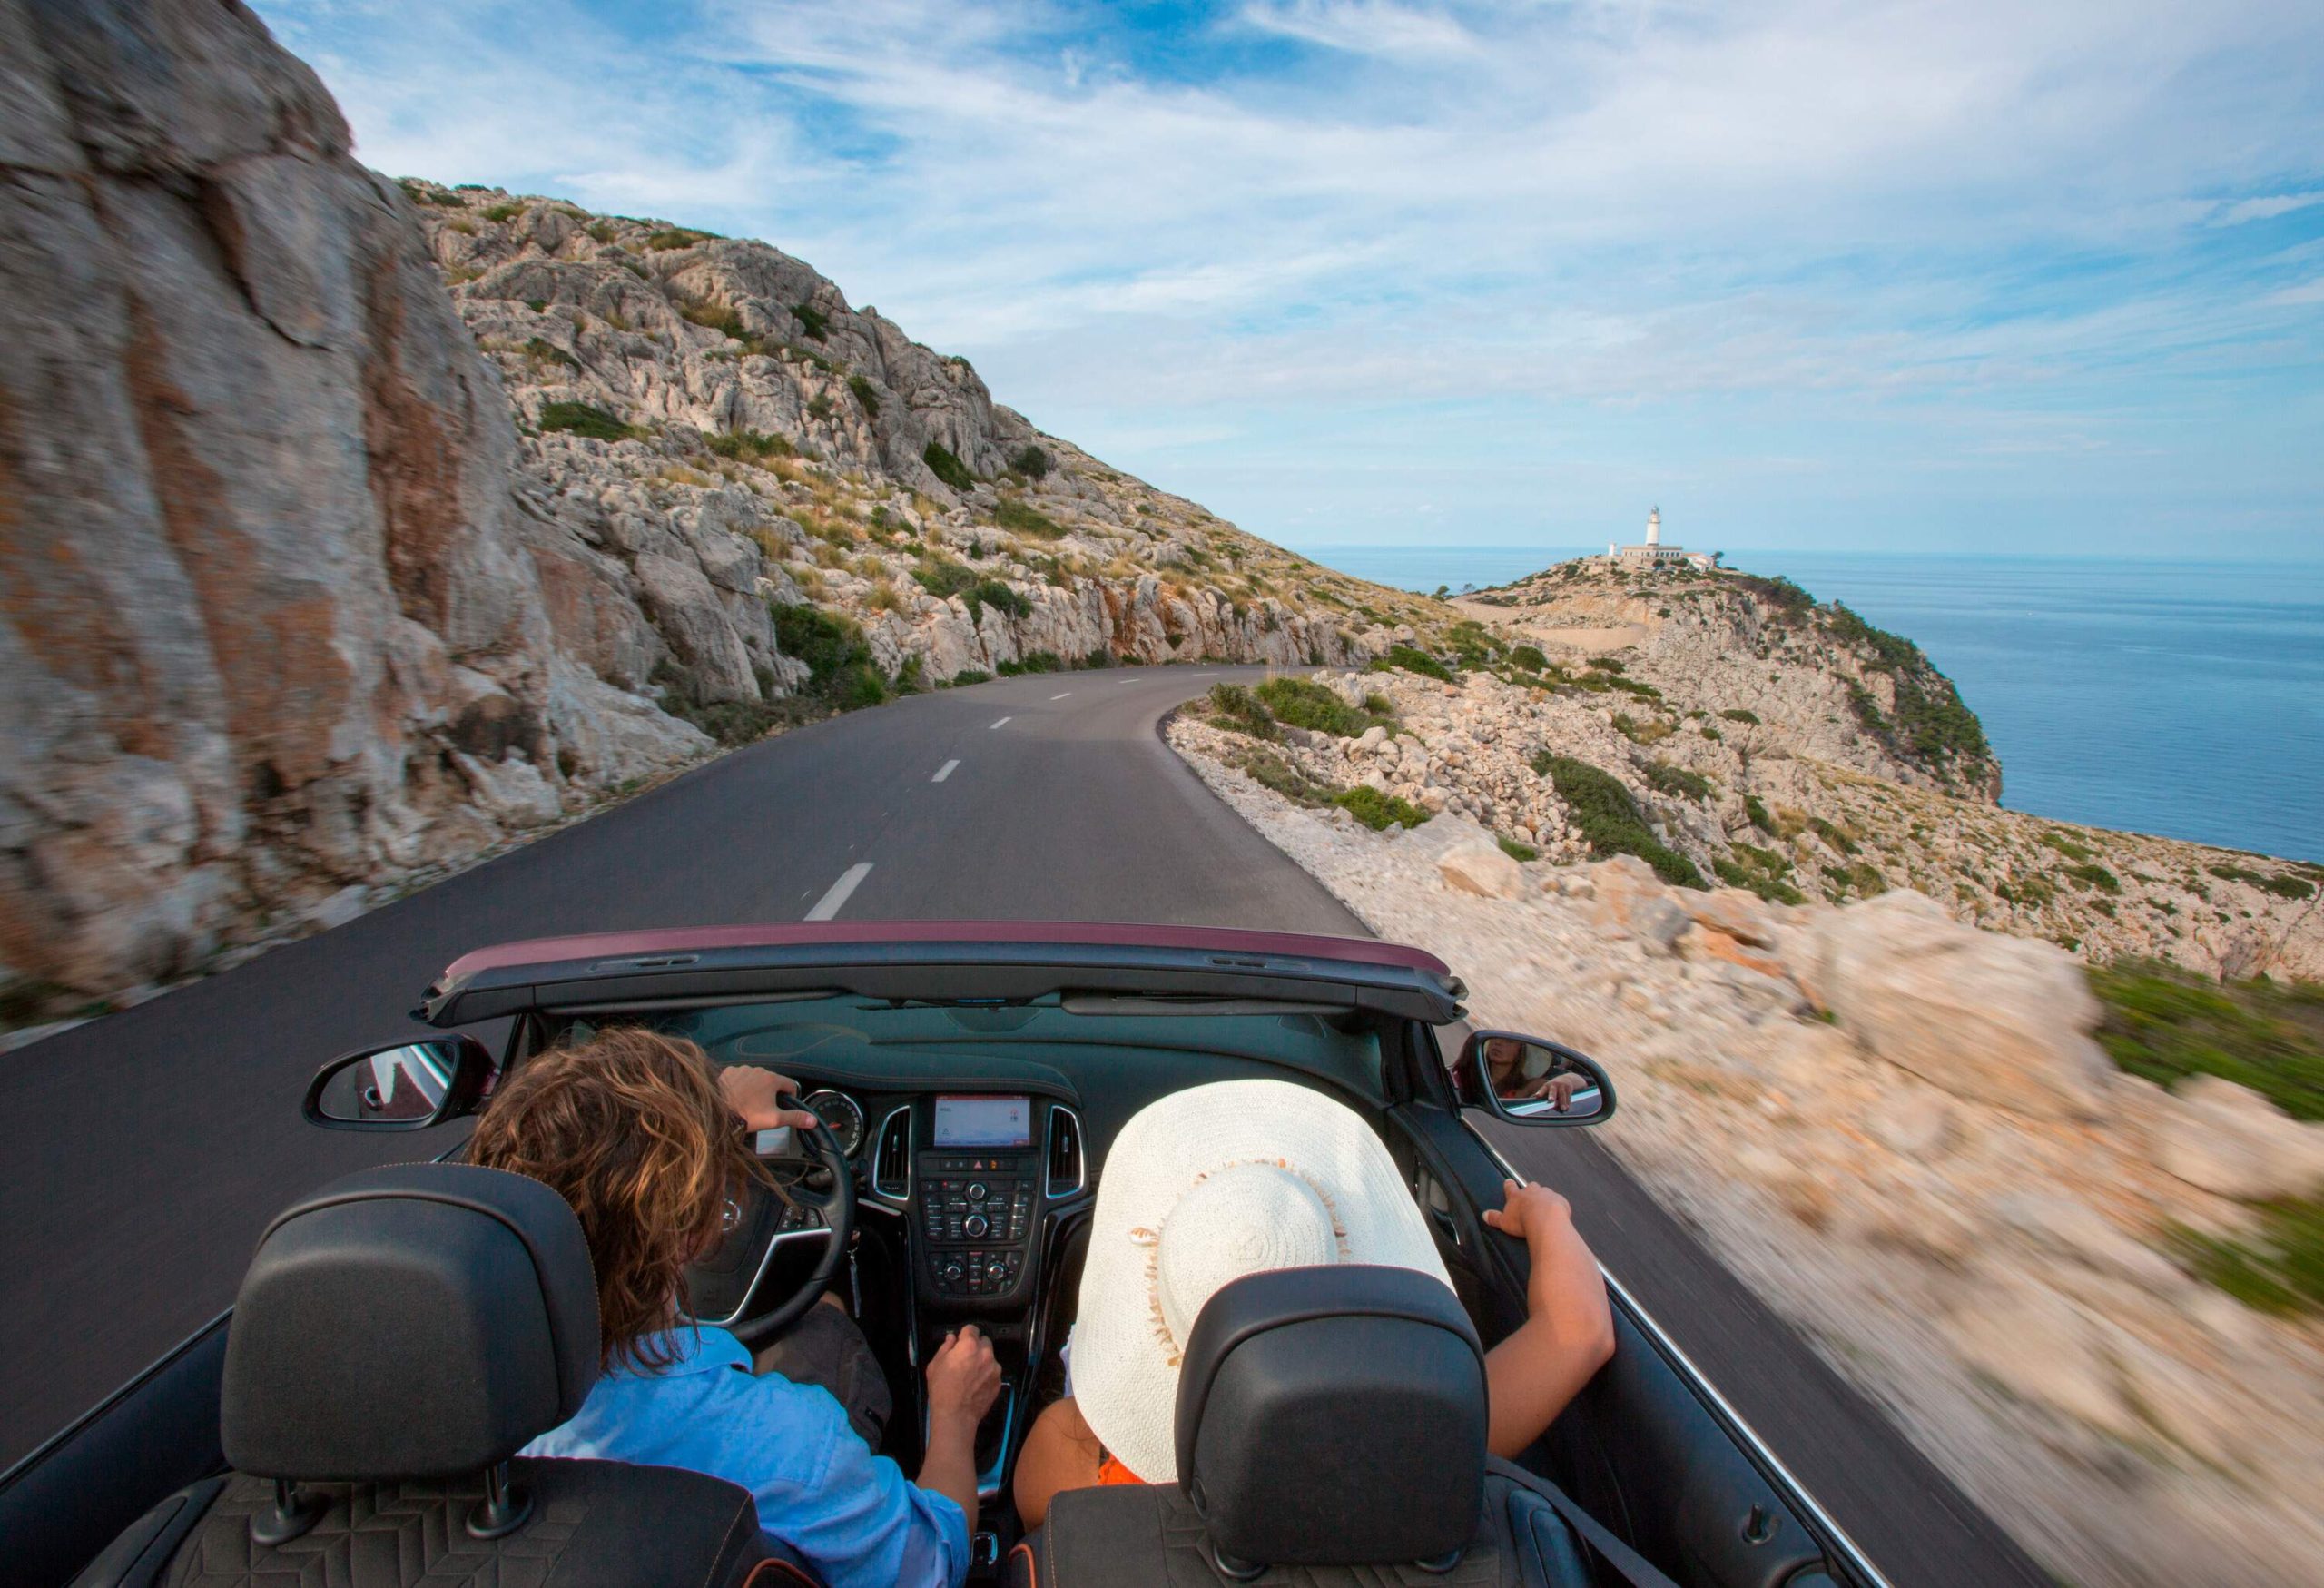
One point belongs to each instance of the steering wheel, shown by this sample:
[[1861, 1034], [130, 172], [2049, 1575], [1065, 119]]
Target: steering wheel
[[820, 1188]]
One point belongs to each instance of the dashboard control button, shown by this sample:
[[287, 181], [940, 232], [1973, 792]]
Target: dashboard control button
[[978, 1226]]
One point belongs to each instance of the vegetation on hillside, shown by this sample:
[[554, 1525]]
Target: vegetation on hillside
[[2166, 1024], [1609, 819]]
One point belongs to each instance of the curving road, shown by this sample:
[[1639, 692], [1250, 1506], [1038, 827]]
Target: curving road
[[141, 1155]]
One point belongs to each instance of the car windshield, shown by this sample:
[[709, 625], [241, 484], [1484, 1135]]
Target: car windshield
[[869, 1037]]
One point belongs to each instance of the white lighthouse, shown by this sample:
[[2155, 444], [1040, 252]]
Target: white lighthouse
[[1650, 553]]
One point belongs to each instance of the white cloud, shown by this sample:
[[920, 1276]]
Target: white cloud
[[1626, 204]]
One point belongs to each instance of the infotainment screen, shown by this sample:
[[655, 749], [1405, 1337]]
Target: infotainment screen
[[984, 1121]]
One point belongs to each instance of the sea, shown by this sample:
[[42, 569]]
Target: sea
[[2179, 698]]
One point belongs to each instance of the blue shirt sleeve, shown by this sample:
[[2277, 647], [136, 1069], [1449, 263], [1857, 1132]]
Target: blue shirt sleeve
[[867, 1526]]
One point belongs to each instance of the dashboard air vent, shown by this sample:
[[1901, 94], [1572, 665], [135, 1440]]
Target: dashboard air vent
[[1067, 1172], [891, 1158]]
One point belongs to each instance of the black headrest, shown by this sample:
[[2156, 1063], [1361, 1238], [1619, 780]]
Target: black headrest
[[417, 1321], [1334, 1417]]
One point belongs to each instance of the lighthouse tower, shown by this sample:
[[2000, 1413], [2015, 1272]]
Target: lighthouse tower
[[1654, 527]]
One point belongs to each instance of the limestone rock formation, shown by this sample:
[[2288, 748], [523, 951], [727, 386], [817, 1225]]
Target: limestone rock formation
[[272, 624], [1997, 1020], [656, 369]]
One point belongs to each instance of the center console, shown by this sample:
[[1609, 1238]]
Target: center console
[[978, 1189]]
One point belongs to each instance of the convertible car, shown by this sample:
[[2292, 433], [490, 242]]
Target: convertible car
[[402, 1332]]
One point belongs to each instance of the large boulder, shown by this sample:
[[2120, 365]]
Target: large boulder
[[2229, 1140], [1483, 869], [2001, 1020]]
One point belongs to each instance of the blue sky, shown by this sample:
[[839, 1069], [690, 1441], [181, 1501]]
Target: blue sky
[[1980, 276]]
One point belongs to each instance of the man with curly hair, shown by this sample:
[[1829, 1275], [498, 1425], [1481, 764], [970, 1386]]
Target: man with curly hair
[[646, 1141]]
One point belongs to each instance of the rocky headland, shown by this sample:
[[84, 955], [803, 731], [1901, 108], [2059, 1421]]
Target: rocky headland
[[1954, 1088], [351, 528]]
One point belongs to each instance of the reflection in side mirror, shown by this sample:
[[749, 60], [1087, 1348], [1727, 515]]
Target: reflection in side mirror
[[1532, 1081], [404, 1086]]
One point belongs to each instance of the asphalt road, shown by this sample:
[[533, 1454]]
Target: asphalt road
[[141, 1155]]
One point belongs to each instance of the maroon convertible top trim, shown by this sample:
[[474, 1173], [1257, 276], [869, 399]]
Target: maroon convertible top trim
[[608, 945]]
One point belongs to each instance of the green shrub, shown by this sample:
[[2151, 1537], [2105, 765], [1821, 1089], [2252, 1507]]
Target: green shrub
[[723, 317], [1530, 658], [548, 352], [2166, 1023], [1677, 781], [1270, 771], [1098, 656], [971, 676], [1016, 513], [841, 672], [1380, 811], [1516, 850], [820, 406], [601, 232], [1764, 872], [1236, 708], [865, 393], [1411, 659], [1609, 819], [585, 418], [997, 593], [2285, 886], [1839, 841], [2096, 876], [1032, 462], [503, 211], [947, 468], [749, 445], [1305, 704], [1767, 884], [811, 322], [942, 577], [1757, 813], [676, 237], [2067, 846], [2279, 1269], [1380, 706], [422, 195], [1736, 714]]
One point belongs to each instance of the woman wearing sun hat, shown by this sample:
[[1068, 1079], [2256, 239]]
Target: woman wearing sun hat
[[1241, 1177]]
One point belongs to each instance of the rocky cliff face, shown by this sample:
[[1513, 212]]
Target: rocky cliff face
[[301, 592], [666, 377], [271, 624]]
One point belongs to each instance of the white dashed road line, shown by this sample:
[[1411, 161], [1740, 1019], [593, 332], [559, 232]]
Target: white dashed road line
[[1003, 722], [840, 891], [944, 771], [1060, 696]]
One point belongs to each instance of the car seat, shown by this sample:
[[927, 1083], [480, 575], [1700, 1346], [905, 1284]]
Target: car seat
[[1330, 1429], [399, 1335]]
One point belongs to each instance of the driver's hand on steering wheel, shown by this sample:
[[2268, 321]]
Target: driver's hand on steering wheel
[[963, 1379], [751, 1091]]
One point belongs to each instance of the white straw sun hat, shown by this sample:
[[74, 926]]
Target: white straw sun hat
[[1202, 1187]]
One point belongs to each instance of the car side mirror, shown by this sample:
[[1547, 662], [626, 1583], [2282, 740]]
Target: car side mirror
[[402, 1086], [1528, 1080]]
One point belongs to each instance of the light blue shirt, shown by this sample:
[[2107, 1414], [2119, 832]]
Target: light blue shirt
[[819, 1487]]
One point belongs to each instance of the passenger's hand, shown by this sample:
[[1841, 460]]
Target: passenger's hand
[[751, 1092], [1528, 1210], [1561, 1089], [963, 1378]]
